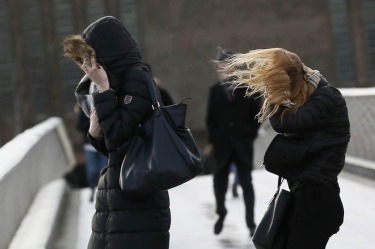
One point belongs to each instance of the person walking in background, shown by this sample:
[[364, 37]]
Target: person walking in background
[[94, 161], [108, 55], [164, 94], [232, 129], [312, 119]]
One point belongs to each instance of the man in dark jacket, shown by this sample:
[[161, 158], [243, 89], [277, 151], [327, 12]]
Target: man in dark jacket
[[232, 129]]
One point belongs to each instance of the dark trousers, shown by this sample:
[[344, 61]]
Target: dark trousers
[[241, 153], [317, 213]]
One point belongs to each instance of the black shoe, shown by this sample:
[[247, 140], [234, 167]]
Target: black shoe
[[252, 230], [219, 224], [234, 191]]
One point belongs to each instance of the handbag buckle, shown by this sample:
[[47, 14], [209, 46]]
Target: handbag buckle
[[158, 105]]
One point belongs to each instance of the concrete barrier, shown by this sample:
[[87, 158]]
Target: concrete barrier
[[38, 226], [28, 162], [360, 166]]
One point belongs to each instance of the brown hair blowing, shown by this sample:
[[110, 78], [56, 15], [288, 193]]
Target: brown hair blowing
[[77, 49], [268, 72]]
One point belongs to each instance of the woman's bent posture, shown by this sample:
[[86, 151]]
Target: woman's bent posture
[[309, 113]]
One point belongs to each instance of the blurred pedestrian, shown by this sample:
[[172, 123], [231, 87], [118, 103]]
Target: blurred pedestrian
[[121, 101], [94, 161], [312, 118], [164, 94], [232, 129]]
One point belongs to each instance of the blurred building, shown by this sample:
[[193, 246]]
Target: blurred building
[[178, 38]]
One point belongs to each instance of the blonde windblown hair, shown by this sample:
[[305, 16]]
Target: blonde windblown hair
[[268, 72], [77, 49]]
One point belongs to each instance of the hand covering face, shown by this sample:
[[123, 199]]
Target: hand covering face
[[115, 50]]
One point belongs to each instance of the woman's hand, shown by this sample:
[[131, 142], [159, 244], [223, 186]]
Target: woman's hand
[[312, 77], [97, 74], [307, 70], [95, 130]]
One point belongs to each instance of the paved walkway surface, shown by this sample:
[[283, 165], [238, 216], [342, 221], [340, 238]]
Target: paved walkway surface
[[193, 216], [193, 210]]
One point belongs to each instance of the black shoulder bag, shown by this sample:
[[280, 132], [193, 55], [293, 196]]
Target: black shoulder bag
[[270, 233], [163, 154]]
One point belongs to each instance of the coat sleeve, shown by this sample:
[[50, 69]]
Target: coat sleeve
[[315, 114], [211, 120], [120, 116], [98, 144]]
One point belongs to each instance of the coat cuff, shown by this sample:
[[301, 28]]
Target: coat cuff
[[94, 140], [98, 144], [104, 96]]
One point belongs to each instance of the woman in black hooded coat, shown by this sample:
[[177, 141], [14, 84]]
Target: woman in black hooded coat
[[121, 102]]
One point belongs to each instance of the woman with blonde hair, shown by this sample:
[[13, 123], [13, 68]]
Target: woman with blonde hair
[[312, 117], [114, 93]]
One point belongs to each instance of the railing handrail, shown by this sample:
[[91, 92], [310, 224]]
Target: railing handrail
[[32, 159]]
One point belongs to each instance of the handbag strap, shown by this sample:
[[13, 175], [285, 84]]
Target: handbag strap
[[279, 182], [155, 99]]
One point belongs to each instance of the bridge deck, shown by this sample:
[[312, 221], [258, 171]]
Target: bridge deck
[[192, 207], [193, 213]]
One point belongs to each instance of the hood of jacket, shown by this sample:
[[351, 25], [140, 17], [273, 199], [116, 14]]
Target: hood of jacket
[[115, 50], [112, 43]]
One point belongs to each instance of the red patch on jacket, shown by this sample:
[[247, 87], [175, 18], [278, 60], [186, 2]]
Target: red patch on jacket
[[128, 99]]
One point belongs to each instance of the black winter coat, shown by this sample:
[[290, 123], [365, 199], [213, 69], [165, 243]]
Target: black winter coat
[[120, 222], [322, 130], [231, 115]]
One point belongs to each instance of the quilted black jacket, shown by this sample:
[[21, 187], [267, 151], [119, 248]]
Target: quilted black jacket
[[320, 132], [120, 222]]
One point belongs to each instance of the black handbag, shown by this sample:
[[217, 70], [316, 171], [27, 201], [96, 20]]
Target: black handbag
[[285, 155], [269, 233], [163, 154]]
